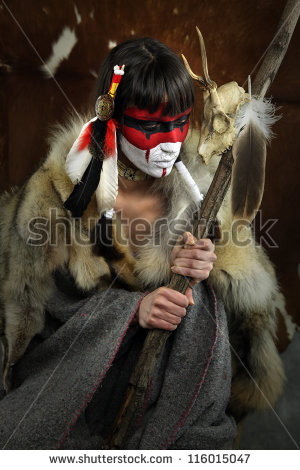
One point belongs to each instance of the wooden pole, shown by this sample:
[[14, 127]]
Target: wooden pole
[[156, 339], [277, 48]]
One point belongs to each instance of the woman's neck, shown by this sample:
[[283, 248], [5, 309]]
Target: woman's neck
[[128, 185]]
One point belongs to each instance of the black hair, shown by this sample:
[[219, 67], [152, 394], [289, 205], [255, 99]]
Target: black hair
[[153, 73]]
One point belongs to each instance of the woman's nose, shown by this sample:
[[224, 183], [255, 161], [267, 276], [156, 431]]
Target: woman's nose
[[169, 146]]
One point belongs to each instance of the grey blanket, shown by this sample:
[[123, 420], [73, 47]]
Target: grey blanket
[[71, 380]]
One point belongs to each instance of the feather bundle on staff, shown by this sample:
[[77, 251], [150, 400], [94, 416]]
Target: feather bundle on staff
[[253, 129]]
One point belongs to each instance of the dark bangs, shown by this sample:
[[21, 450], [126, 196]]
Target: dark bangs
[[153, 74]]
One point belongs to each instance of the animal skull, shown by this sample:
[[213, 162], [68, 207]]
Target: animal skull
[[221, 106], [220, 111]]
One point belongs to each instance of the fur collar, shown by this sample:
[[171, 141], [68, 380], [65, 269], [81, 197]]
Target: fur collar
[[152, 266]]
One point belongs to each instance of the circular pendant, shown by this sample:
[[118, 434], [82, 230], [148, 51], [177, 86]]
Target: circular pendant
[[104, 107]]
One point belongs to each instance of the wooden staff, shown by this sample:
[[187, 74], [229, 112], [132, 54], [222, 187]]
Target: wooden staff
[[156, 339]]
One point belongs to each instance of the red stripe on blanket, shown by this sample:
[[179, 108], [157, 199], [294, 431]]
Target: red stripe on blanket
[[91, 393], [182, 419]]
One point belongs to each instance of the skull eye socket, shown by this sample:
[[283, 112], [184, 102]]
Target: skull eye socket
[[221, 123]]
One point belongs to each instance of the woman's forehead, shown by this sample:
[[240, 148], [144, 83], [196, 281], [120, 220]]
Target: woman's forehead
[[145, 114]]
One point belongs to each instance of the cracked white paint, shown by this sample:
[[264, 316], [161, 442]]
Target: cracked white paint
[[111, 44], [61, 50], [77, 14]]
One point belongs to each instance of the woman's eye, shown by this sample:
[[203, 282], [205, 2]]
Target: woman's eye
[[182, 120], [150, 126]]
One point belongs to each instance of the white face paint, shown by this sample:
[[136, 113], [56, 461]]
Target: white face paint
[[156, 162]]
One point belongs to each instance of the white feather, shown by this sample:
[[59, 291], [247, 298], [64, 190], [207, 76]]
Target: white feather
[[77, 161], [261, 111], [195, 193], [107, 190]]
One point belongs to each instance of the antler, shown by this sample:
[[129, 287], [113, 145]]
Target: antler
[[205, 83]]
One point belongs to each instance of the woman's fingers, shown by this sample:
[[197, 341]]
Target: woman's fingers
[[193, 258], [168, 317], [198, 275], [196, 253], [188, 239], [189, 295], [163, 308], [205, 244], [164, 325], [193, 263], [196, 269], [170, 307]]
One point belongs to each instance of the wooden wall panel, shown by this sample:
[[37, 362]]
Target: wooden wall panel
[[236, 33]]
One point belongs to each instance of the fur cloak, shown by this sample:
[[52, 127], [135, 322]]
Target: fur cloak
[[243, 276]]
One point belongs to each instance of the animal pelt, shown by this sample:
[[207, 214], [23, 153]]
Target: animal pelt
[[29, 258], [242, 276]]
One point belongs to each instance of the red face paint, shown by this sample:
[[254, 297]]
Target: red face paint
[[146, 130]]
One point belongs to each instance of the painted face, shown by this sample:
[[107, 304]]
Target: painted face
[[152, 141]]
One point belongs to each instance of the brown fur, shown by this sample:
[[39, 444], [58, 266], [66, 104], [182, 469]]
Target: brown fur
[[26, 270]]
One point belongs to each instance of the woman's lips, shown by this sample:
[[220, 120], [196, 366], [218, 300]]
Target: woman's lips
[[164, 164]]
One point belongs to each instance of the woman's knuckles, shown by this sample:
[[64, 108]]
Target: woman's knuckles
[[178, 299], [165, 325], [159, 301], [151, 322], [206, 273], [176, 320], [161, 291], [182, 312], [196, 255]]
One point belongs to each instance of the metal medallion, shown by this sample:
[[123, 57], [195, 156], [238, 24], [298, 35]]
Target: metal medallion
[[104, 107]]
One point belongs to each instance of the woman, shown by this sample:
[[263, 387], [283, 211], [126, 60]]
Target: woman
[[70, 382], [152, 110]]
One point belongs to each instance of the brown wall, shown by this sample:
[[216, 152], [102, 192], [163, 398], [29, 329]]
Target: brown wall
[[236, 33]]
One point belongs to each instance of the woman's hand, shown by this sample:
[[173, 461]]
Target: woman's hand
[[193, 258], [163, 308]]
